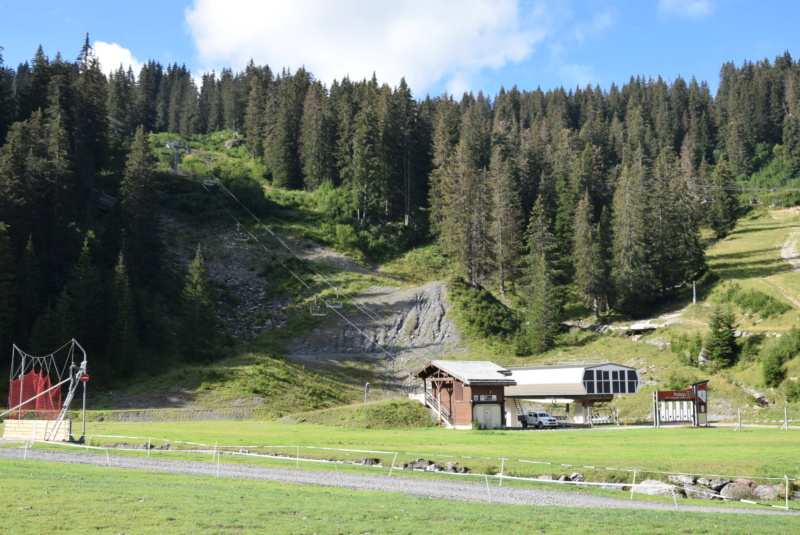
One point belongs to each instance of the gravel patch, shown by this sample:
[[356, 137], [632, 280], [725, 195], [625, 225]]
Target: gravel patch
[[461, 491]]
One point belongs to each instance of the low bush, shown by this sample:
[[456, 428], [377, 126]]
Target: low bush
[[480, 313], [753, 301], [777, 354]]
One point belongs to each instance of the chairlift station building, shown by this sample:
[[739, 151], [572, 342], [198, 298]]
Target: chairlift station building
[[467, 392]]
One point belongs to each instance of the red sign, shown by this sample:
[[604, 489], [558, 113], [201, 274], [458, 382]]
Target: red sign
[[84, 377], [675, 395]]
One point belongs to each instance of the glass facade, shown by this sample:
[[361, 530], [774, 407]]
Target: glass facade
[[610, 381]]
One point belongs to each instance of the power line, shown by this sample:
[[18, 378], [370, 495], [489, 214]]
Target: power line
[[283, 264]]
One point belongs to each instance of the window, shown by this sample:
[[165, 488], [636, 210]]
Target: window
[[588, 381]]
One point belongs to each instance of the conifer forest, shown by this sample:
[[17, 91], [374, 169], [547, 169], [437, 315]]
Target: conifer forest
[[603, 196]]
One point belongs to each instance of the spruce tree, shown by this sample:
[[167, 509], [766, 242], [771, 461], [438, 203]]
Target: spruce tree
[[543, 296], [139, 211], [632, 271], [31, 288], [317, 138], [123, 343], [199, 340], [8, 290], [720, 344], [724, 205], [505, 230], [85, 292], [591, 270]]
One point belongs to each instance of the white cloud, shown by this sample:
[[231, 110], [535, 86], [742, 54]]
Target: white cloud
[[689, 9], [111, 56], [427, 42]]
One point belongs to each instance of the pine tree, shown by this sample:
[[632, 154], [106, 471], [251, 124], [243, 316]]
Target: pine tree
[[139, 211], [542, 295], [199, 341], [31, 288], [89, 116], [85, 292], [632, 271], [467, 218], [722, 213], [368, 171], [123, 344], [317, 138], [505, 230], [445, 140], [591, 269], [720, 344], [8, 289]]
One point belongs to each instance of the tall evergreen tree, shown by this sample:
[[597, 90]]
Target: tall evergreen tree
[[591, 268], [724, 205], [31, 289], [199, 340], [317, 138], [632, 271], [8, 289], [139, 212], [720, 344], [85, 291], [542, 295], [507, 210], [123, 341]]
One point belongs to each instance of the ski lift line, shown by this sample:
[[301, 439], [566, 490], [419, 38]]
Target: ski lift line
[[297, 277], [364, 310]]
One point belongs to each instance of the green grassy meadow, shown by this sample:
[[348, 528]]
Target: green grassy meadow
[[755, 452], [46, 497]]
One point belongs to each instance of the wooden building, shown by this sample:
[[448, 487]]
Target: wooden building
[[466, 392]]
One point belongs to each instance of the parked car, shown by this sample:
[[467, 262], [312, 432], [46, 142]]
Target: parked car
[[538, 419]]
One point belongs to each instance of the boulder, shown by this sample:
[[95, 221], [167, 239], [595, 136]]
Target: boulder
[[233, 143], [162, 447], [455, 469], [419, 464], [370, 461], [563, 477], [769, 493], [682, 480], [700, 492], [653, 487], [713, 484], [741, 489], [576, 476], [433, 467], [546, 477]]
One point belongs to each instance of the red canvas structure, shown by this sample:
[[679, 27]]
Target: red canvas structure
[[25, 388]]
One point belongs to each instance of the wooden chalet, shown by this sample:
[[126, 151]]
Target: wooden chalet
[[466, 392]]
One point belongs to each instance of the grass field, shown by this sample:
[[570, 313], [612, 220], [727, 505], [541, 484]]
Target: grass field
[[45, 497], [759, 452]]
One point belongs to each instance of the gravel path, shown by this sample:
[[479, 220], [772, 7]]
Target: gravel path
[[443, 489]]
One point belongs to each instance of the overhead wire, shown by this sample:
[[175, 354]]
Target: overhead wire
[[284, 265], [362, 308]]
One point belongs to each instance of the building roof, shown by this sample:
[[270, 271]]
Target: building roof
[[469, 372], [557, 381]]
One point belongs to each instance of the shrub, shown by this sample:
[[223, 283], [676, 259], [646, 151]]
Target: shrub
[[776, 355], [481, 313], [792, 391], [753, 301]]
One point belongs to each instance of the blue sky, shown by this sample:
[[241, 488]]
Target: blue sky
[[437, 45]]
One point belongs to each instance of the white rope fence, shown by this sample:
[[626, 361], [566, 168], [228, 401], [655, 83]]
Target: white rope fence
[[292, 453]]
